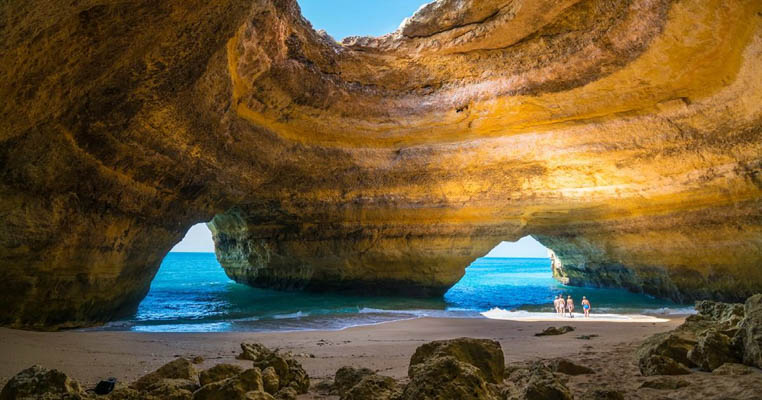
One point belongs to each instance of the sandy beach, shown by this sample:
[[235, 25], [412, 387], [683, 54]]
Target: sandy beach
[[386, 348], [91, 356]]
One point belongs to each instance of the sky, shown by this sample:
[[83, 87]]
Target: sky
[[342, 18], [199, 240]]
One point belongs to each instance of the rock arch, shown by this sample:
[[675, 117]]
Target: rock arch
[[624, 135]]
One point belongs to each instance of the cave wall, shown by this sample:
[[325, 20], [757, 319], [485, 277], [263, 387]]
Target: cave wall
[[624, 135]]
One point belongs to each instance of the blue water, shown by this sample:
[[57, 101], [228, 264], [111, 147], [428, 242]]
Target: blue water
[[191, 293]]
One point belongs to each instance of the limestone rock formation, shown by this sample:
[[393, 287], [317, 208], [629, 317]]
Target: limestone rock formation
[[484, 354], [217, 373], [38, 383], [537, 382], [239, 387], [749, 336], [624, 135], [717, 338], [289, 372], [347, 377], [463, 368]]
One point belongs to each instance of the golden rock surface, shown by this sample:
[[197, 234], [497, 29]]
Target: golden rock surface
[[624, 135]]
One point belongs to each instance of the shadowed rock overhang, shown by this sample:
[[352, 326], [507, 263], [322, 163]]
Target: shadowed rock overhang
[[624, 135]]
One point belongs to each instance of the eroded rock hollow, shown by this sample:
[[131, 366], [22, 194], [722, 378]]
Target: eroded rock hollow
[[624, 135]]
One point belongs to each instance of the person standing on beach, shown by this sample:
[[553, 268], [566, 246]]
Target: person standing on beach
[[561, 304], [570, 306], [555, 303], [586, 306]]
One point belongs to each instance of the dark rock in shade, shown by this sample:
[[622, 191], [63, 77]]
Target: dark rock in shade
[[325, 387], [568, 367], [218, 372], [373, 387], [712, 350], [603, 394], [197, 360], [665, 384], [661, 365], [552, 330], [259, 396], [749, 336], [484, 354], [287, 393], [235, 388], [666, 353], [179, 368], [105, 386], [126, 393], [542, 384], [447, 378], [734, 369], [171, 389], [346, 377], [36, 383]]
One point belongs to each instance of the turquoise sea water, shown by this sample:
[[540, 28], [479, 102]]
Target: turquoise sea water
[[191, 293]]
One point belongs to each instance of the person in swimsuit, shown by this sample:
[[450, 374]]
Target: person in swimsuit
[[561, 304], [570, 306], [555, 303], [586, 306]]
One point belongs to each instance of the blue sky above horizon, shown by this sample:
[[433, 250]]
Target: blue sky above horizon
[[199, 240], [342, 18]]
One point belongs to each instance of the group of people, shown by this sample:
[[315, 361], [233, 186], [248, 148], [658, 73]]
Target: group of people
[[566, 306]]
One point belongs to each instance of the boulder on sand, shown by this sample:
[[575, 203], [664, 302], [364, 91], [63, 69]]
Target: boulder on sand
[[537, 382], [568, 367], [179, 368], [290, 372], [447, 378], [37, 382], [666, 353], [218, 372], [373, 387], [661, 365], [235, 388], [484, 354], [552, 330], [463, 368], [347, 377]]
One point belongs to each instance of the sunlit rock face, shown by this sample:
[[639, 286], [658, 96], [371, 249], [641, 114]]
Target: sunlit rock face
[[624, 135]]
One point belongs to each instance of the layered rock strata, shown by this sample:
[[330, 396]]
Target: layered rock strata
[[624, 135]]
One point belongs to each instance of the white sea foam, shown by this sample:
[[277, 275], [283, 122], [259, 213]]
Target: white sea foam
[[498, 313]]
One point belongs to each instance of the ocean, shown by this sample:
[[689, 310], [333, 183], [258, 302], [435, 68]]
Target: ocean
[[191, 293]]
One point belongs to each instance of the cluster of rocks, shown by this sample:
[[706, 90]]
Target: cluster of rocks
[[719, 338], [464, 368], [274, 376]]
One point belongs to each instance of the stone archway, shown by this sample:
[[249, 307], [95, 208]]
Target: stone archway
[[623, 135]]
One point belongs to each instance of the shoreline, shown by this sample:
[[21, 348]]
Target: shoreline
[[89, 356], [309, 321]]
